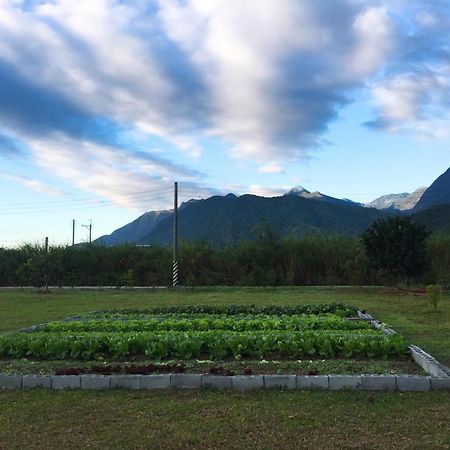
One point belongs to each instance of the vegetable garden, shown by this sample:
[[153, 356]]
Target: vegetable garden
[[207, 332]]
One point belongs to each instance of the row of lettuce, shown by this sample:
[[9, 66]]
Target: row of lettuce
[[206, 323], [213, 332], [215, 345]]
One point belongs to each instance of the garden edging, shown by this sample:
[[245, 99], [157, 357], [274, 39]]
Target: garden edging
[[438, 378], [402, 383], [427, 362]]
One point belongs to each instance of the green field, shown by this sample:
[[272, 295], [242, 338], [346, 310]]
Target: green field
[[120, 419]]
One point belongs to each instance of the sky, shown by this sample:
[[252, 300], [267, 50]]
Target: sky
[[104, 104]]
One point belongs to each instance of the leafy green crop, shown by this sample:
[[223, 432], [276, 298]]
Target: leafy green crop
[[216, 332], [206, 323], [232, 310], [216, 344]]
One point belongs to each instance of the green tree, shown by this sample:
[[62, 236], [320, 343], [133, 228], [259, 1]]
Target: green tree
[[396, 245], [434, 292]]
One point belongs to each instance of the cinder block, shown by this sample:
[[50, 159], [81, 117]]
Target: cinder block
[[247, 382], [126, 381], [339, 382], [438, 384], [413, 383], [10, 381], [216, 382], [313, 382], [280, 381], [438, 370], [160, 381], [186, 381], [378, 382], [66, 382], [420, 359], [36, 381], [96, 382]]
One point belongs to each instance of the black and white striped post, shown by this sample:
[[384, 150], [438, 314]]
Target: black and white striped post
[[175, 237], [175, 273]]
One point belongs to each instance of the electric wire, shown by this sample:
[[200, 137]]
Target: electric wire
[[143, 198]]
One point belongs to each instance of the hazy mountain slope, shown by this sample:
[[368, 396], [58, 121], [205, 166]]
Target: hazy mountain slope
[[134, 231], [401, 202], [437, 194]]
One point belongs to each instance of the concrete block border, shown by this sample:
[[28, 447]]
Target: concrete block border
[[428, 363], [242, 383], [439, 379]]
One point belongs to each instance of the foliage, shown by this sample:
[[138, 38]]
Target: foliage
[[238, 309], [173, 322], [218, 344], [434, 292], [396, 245], [265, 261], [160, 336]]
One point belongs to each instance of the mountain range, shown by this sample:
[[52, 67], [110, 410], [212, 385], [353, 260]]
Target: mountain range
[[226, 219]]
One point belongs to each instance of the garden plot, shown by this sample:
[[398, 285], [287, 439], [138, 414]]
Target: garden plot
[[303, 339]]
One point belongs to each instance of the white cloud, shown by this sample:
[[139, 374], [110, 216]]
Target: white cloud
[[271, 168], [112, 174], [374, 33], [31, 183], [415, 102], [266, 191], [264, 78]]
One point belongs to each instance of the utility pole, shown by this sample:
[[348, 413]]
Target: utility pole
[[175, 236], [89, 227], [46, 266], [73, 232]]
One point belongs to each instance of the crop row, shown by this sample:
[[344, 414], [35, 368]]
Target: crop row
[[340, 309], [215, 345], [290, 323]]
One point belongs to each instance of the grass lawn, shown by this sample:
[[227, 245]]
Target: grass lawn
[[120, 419], [223, 420]]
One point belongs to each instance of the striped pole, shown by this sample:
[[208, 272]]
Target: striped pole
[[175, 273], [175, 235]]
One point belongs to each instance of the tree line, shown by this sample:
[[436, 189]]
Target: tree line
[[266, 260]]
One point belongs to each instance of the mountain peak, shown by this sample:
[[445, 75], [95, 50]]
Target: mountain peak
[[297, 190]]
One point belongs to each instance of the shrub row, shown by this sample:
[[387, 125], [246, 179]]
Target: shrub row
[[309, 260]]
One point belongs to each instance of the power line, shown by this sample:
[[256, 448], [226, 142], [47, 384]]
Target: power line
[[83, 200], [92, 203]]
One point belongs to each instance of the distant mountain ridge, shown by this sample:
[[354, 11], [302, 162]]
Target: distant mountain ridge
[[401, 202], [302, 192], [226, 219]]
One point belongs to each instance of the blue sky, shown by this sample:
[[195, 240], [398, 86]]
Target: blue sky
[[105, 103]]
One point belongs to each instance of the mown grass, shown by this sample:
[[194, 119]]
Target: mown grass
[[223, 420], [227, 420]]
